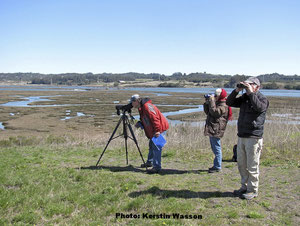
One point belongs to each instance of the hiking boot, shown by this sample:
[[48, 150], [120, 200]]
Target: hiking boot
[[153, 171], [239, 192], [214, 170], [249, 195], [147, 164]]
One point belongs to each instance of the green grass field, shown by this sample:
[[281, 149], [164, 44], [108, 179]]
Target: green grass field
[[59, 184], [48, 174]]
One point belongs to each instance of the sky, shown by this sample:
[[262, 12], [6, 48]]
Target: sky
[[150, 36]]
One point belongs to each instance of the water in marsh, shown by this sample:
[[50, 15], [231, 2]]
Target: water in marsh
[[78, 114], [193, 108], [2, 127], [156, 90], [27, 102]]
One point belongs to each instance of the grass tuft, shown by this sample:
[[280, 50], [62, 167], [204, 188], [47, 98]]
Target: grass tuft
[[233, 214], [255, 215]]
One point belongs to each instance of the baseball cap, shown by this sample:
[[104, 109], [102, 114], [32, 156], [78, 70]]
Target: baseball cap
[[134, 97], [253, 80]]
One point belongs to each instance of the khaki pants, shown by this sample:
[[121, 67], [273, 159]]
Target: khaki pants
[[248, 154]]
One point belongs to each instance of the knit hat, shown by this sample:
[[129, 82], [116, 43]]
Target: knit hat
[[223, 94]]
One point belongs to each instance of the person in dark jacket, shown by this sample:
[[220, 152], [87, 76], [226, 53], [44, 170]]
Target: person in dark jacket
[[253, 107], [218, 114], [154, 124]]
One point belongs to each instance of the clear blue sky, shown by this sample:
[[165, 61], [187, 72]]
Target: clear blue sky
[[150, 36]]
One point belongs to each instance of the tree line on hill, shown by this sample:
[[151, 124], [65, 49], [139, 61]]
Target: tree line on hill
[[269, 81]]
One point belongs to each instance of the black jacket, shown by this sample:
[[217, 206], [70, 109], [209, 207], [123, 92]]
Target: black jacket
[[253, 108]]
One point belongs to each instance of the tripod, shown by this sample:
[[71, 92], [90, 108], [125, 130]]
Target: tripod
[[124, 119]]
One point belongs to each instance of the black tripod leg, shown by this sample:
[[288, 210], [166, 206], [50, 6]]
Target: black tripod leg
[[111, 137], [136, 143], [126, 151], [125, 133]]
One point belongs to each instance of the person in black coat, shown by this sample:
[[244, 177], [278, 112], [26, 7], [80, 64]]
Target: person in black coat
[[253, 107]]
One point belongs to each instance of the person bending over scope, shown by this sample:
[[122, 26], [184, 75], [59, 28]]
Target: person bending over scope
[[154, 124]]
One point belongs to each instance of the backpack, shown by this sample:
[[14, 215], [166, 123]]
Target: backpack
[[234, 157]]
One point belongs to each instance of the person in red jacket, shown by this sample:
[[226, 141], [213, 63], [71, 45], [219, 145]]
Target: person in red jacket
[[154, 124]]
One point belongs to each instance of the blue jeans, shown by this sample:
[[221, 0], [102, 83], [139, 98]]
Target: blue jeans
[[154, 155], [215, 144]]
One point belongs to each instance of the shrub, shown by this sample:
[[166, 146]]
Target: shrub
[[18, 141]]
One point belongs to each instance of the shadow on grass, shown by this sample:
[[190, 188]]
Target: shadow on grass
[[227, 160], [186, 194], [130, 168], [175, 171]]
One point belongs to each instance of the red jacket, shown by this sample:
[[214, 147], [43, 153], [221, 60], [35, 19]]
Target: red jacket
[[152, 119]]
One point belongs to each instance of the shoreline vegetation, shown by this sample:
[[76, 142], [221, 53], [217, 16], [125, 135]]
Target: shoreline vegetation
[[48, 173], [178, 80], [150, 83]]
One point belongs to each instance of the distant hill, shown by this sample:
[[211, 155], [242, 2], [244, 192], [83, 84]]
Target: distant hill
[[76, 78], [275, 77]]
